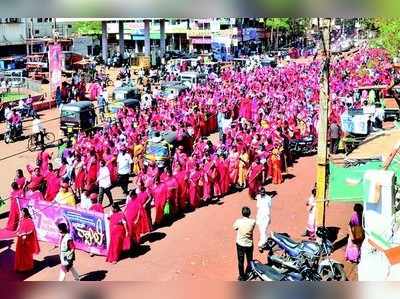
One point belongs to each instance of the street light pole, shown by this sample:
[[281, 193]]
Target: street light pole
[[323, 126]]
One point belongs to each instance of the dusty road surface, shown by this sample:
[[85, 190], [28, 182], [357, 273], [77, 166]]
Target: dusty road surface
[[201, 245]]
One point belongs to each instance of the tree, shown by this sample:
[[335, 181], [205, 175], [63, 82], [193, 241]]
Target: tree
[[277, 24], [87, 28], [388, 35]]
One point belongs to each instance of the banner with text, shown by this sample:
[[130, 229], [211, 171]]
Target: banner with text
[[88, 229]]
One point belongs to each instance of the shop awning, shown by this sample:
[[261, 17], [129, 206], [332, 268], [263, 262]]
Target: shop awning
[[346, 184]]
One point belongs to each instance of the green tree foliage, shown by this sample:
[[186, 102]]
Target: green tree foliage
[[277, 23], [87, 28], [388, 35]]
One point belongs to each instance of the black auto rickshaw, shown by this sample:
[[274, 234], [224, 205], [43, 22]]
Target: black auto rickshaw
[[79, 116]]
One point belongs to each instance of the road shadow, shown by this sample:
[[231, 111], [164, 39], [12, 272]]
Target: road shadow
[[6, 243], [289, 176], [7, 260], [94, 276], [4, 214], [168, 222], [153, 237], [135, 251], [340, 243]]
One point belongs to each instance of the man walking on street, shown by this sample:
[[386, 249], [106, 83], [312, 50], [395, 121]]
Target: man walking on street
[[244, 240], [67, 253], [124, 161], [104, 180], [263, 219]]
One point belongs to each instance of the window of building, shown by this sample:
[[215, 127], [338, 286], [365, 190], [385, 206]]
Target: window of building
[[205, 26], [40, 20], [37, 31]]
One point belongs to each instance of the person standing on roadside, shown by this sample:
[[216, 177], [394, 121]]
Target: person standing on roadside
[[263, 218], [334, 136], [244, 240], [67, 253]]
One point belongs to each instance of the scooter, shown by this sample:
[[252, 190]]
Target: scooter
[[317, 252], [13, 133]]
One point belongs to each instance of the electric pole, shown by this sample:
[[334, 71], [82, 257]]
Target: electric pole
[[323, 124]]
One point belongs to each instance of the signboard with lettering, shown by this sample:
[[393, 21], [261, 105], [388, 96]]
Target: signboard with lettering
[[88, 229]]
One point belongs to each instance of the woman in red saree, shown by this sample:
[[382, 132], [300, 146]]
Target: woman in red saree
[[92, 171], [13, 217], [254, 178], [79, 169], [223, 173], [208, 172], [118, 234], [181, 177], [160, 195], [27, 243], [172, 186], [36, 180], [136, 217], [144, 199], [52, 183], [20, 179], [276, 167], [195, 183]]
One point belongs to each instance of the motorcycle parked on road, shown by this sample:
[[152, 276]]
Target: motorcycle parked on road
[[260, 271], [283, 252], [303, 147], [13, 133]]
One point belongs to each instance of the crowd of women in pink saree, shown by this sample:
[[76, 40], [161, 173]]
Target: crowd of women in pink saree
[[256, 112]]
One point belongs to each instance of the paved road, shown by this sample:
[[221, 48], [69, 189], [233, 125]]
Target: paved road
[[199, 246]]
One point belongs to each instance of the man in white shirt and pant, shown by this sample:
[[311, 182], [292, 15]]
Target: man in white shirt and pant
[[263, 218], [124, 161], [104, 181]]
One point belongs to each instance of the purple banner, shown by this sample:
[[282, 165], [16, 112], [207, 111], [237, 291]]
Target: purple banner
[[88, 229]]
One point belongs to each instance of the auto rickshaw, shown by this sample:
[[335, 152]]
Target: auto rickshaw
[[160, 149], [174, 87], [114, 106], [79, 116], [125, 92]]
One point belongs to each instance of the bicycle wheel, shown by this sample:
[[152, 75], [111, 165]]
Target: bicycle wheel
[[49, 138], [31, 144]]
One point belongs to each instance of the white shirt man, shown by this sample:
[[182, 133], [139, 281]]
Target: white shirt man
[[226, 123], [263, 218], [21, 104], [37, 126], [104, 178], [124, 161]]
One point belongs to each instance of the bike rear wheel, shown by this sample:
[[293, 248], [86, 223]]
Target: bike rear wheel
[[49, 138]]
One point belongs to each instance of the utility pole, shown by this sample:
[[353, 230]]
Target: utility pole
[[323, 125]]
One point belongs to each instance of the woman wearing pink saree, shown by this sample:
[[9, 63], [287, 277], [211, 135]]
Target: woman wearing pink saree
[[181, 177], [160, 195], [353, 249], [233, 163]]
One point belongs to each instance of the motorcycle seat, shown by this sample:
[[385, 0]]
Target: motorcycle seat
[[287, 241], [268, 271]]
